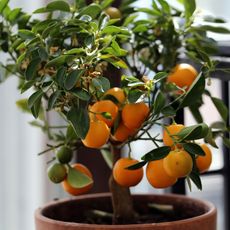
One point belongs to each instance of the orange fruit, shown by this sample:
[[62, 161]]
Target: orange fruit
[[203, 162], [178, 163], [134, 114], [126, 177], [170, 132], [157, 176], [122, 133], [97, 135], [113, 12], [104, 106], [78, 191], [183, 75], [118, 93]]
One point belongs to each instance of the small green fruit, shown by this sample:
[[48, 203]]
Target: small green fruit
[[57, 173], [64, 155]]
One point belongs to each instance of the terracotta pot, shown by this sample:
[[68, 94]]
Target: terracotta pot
[[60, 215]]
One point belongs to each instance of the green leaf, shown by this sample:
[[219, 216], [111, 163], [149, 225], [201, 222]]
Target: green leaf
[[79, 119], [168, 111], [220, 125], [190, 7], [23, 105], [78, 179], [194, 149], [3, 4], [36, 96], [195, 177], [193, 132], [102, 84], [31, 70], [137, 165], [159, 103], [81, 94], [72, 78], [53, 99], [117, 62], [108, 157], [58, 5], [209, 138], [214, 29], [76, 51], [156, 154], [165, 6], [61, 75], [26, 34], [61, 60], [115, 30], [226, 142], [14, 15], [160, 76], [134, 95], [106, 3], [195, 92], [196, 113], [221, 107], [93, 10]]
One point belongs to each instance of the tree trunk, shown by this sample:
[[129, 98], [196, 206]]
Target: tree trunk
[[123, 211]]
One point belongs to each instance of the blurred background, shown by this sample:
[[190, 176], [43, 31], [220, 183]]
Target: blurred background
[[24, 185]]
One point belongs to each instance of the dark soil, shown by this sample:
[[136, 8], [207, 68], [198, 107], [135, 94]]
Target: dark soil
[[99, 211]]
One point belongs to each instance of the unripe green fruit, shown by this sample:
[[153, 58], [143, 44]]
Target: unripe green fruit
[[64, 155], [113, 12], [57, 173]]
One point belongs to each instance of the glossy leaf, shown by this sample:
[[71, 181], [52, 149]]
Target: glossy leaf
[[189, 7], [195, 92], [134, 95], [193, 132], [221, 107], [72, 78], [194, 149], [92, 10], [159, 102], [108, 157], [195, 177], [78, 179], [36, 96], [137, 165], [81, 94], [61, 75], [3, 5], [58, 5], [79, 118], [32, 69], [157, 154], [117, 62], [53, 99]]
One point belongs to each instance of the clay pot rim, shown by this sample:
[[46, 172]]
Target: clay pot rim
[[39, 216]]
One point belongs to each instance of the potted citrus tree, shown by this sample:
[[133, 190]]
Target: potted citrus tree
[[113, 77]]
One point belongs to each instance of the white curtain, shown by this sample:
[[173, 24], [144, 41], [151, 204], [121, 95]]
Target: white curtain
[[22, 171]]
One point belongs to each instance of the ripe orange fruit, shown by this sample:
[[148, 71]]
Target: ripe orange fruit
[[78, 191], [118, 93], [178, 163], [122, 133], [183, 75], [126, 177], [203, 162], [113, 12], [97, 135], [104, 106], [157, 176], [170, 132], [134, 114]]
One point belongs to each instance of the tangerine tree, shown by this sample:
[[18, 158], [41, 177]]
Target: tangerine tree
[[69, 58]]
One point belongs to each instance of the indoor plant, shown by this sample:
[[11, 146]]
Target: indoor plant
[[66, 59]]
